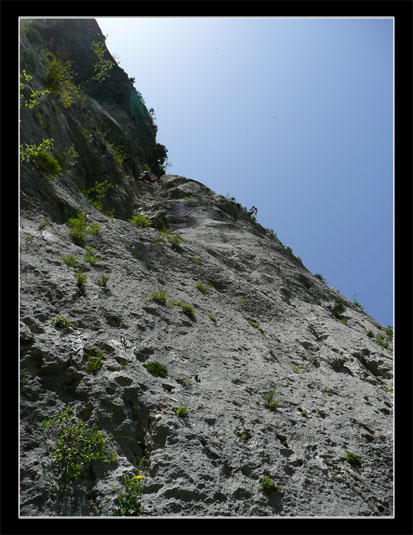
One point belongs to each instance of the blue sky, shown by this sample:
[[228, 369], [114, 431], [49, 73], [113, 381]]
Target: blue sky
[[294, 116]]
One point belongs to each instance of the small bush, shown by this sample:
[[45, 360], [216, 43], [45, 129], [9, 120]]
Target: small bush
[[77, 445], [320, 277], [158, 297], [268, 485], [156, 369], [160, 223], [80, 281], [339, 308], [256, 325], [87, 135], [175, 241], [67, 157], [61, 322], [140, 220], [89, 256], [357, 304], [129, 501], [44, 224], [245, 435], [384, 339], [94, 228], [102, 281], [251, 212], [187, 309], [352, 458], [202, 287], [41, 157], [182, 410], [119, 154], [102, 66], [184, 381], [33, 96], [59, 79], [96, 194], [70, 260], [78, 227], [94, 359], [46, 164], [269, 401]]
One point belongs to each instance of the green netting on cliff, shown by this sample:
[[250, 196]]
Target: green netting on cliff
[[137, 105]]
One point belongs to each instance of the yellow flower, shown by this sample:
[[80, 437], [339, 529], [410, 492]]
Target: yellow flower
[[138, 477]]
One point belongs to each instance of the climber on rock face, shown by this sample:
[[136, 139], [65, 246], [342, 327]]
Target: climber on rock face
[[146, 176]]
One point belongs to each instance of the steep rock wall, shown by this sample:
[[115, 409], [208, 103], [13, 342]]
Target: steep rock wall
[[266, 378]]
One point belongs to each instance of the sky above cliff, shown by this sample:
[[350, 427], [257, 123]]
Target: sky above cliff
[[293, 116]]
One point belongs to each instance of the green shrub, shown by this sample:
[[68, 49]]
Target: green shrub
[[182, 410], [202, 287], [102, 66], [94, 228], [251, 212], [80, 280], [102, 281], [119, 154], [196, 261], [158, 297], [245, 435], [357, 304], [87, 135], [77, 445], [96, 194], [384, 339], [175, 241], [184, 381], [70, 260], [156, 369], [352, 458], [46, 164], [269, 401], [44, 224], [339, 308], [67, 157], [59, 79], [94, 359], [128, 502], [89, 256], [33, 96], [78, 227], [41, 157], [256, 325], [320, 277], [61, 322], [187, 309], [268, 485], [160, 223], [140, 220]]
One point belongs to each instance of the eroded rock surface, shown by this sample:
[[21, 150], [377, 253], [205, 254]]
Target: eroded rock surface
[[262, 323]]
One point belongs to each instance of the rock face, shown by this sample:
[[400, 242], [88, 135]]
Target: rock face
[[271, 379]]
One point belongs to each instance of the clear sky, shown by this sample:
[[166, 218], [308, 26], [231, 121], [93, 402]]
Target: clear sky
[[294, 116]]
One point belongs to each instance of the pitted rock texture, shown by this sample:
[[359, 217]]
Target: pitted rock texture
[[264, 323]]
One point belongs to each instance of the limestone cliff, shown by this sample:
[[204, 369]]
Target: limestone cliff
[[164, 333]]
